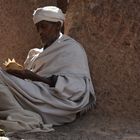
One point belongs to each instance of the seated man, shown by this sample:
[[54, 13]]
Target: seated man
[[55, 84]]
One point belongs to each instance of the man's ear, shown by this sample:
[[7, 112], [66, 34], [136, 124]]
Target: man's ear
[[59, 23], [59, 26]]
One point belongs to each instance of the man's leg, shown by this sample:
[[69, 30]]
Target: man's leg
[[7, 100]]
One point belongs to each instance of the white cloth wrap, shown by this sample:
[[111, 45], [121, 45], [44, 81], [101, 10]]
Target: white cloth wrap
[[56, 105], [48, 13]]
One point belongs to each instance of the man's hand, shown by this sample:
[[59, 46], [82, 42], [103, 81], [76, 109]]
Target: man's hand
[[23, 74], [27, 74]]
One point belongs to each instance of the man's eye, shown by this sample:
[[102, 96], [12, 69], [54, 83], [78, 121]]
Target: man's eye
[[42, 26]]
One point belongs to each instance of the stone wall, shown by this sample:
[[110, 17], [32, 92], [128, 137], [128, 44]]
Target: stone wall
[[110, 34], [17, 31]]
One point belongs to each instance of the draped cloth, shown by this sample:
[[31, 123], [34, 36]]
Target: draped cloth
[[30, 104]]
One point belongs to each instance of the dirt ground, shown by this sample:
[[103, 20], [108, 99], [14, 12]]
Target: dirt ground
[[110, 33], [92, 126]]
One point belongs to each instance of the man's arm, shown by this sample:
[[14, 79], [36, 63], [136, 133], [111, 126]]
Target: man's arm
[[27, 74]]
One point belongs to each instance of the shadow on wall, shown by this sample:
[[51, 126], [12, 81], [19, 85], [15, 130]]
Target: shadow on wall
[[17, 33], [110, 34]]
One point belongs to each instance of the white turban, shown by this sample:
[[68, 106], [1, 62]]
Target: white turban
[[48, 13]]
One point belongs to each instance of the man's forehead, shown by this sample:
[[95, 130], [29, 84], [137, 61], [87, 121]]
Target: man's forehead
[[44, 22]]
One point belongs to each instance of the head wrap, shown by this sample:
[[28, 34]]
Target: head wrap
[[48, 13]]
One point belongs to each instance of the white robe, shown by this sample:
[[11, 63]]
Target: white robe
[[56, 105]]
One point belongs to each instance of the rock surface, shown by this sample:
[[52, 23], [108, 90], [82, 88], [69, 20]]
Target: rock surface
[[110, 34], [18, 33]]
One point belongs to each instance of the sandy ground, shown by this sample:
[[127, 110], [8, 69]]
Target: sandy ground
[[92, 126]]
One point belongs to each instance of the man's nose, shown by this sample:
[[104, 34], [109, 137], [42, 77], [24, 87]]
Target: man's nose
[[40, 31]]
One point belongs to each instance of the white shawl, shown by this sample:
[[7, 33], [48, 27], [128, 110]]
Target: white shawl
[[56, 105]]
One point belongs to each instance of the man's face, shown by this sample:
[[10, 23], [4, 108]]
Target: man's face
[[48, 31]]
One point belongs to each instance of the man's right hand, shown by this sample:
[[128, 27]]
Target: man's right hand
[[27, 74], [23, 74]]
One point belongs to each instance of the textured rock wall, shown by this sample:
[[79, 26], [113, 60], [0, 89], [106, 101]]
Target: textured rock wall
[[17, 31], [110, 32]]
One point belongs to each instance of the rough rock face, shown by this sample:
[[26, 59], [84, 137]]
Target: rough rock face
[[110, 34], [108, 30], [17, 31]]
